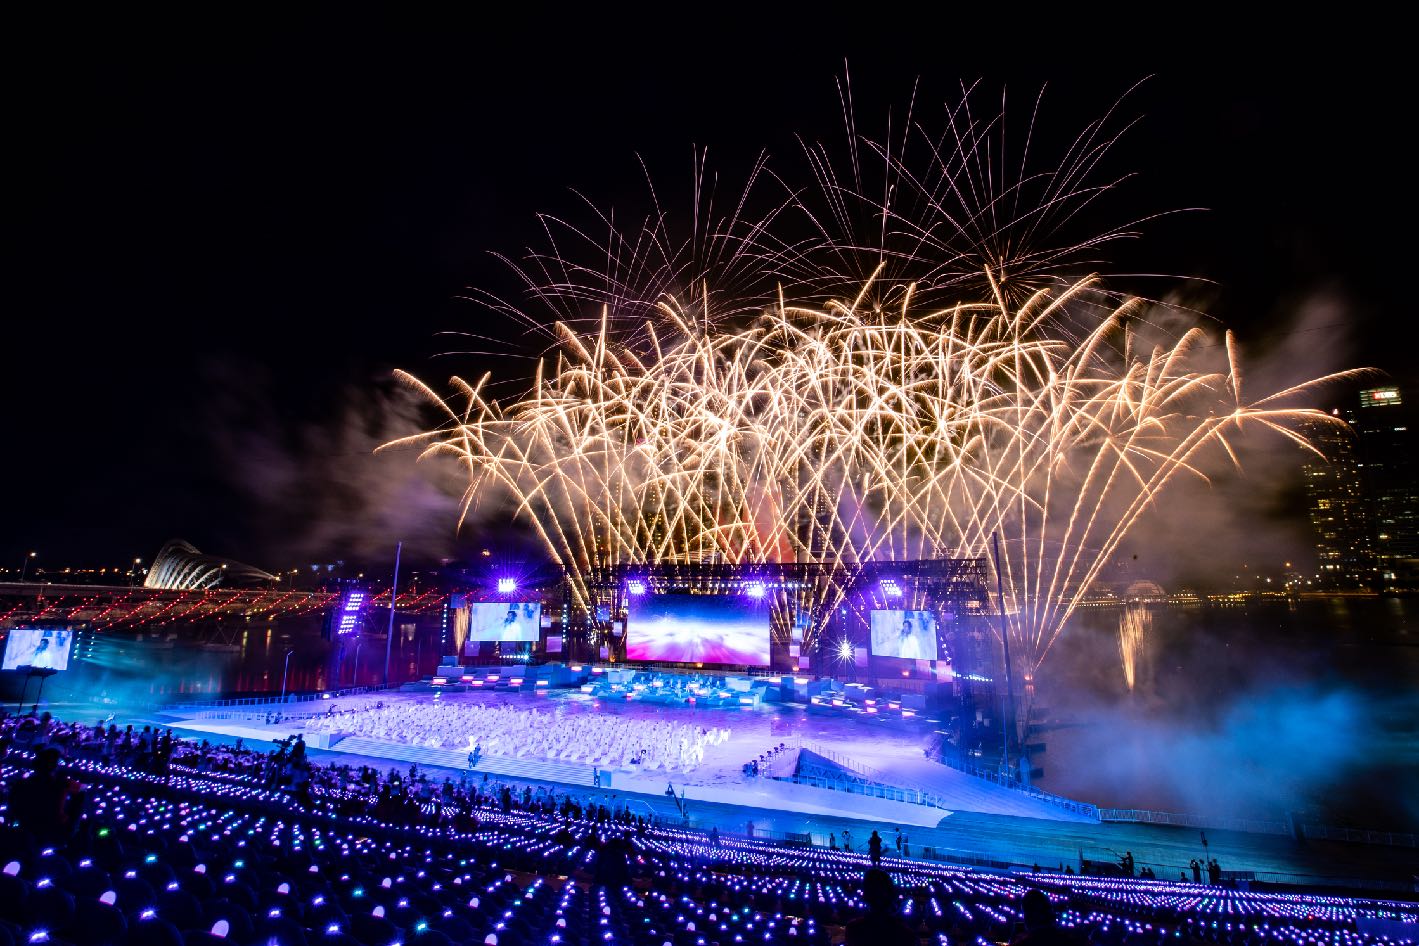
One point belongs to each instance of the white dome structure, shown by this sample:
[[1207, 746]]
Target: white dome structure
[[180, 566]]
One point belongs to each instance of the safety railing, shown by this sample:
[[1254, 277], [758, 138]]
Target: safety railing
[[1182, 820], [871, 789], [1320, 832], [821, 842], [1313, 832], [278, 700]]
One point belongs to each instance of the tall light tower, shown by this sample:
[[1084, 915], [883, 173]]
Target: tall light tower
[[393, 594]]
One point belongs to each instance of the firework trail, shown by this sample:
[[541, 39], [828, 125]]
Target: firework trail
[[758, 390]]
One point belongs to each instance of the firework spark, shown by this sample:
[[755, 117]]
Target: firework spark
[[849, 435], [890, 403]]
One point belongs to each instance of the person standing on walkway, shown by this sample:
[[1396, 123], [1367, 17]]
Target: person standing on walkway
[[874, 849]]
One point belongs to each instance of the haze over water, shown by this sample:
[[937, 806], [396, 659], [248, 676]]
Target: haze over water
[[1250, 709]]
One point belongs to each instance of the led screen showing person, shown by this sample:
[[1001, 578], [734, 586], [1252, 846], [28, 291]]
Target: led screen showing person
[[721, 629], [504, 621], [910, 635], [42, 648]]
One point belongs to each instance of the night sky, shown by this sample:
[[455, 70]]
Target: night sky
[[221, 235]]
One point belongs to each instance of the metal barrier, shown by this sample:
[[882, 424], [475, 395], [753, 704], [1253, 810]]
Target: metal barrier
[[277, 700], [818, 841], [1176, 819], [1320, 832], [870, 789], [1311, 881], [1313, 832]]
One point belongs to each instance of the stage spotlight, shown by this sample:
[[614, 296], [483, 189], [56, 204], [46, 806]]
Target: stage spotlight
[[845, 649], [507, 585], [754, 589], [890, 588], [635, 586]]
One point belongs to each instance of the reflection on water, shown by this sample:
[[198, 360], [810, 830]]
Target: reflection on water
[[1253, 708]]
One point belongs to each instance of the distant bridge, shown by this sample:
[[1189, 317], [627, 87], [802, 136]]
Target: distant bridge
[[103, 606]]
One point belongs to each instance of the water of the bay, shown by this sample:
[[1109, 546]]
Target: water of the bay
[[1250, 709]]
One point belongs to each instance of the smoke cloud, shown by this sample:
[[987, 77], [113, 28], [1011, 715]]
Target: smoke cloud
[[1247, 517], [317, 492]]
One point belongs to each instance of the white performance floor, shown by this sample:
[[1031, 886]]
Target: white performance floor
[[889, 750]]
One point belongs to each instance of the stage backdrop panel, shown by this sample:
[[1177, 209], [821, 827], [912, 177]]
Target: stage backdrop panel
[[721, 629], [38, 647], [504, 620], [907, 634]]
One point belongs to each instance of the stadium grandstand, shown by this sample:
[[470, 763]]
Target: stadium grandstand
[[116, 837]]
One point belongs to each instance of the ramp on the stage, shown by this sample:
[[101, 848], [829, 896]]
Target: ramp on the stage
[[944, 787]]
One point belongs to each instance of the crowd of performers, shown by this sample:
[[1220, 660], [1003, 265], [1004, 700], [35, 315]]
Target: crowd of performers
[[602, 739]]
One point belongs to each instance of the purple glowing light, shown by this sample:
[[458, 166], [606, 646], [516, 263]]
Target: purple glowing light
[[507, 585], [350, 609]]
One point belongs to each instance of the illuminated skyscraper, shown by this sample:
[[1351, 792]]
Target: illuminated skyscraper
[[1390, 485], [1364, 496], [1337, 509]]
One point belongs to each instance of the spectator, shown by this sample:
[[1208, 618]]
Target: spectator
[[47, 802], [1040, 926], [882, 925]]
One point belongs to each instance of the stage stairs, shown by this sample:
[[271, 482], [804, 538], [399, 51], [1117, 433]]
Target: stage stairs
[[539, 770]]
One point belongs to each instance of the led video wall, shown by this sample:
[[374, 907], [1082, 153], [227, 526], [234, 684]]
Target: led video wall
[[504, 620], [38, 647], [907, 634], [720, 629]]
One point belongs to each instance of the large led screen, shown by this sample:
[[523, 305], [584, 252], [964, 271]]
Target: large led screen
[[504, 620], [720, 629], [38, 647], [907, 634]]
